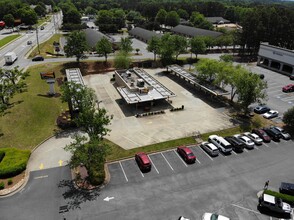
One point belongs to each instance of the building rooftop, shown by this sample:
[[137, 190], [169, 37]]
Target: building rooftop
[[140, 87], [193, 32], [217, 20], [144, 34], [93, 36]]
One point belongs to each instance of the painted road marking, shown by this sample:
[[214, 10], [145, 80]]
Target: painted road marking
[[41, 166], [180, 158], [206, 154], [265, 144], [250, 210], [153, 165], [167, 161], [41, 177], [123, 171], [107, 199]]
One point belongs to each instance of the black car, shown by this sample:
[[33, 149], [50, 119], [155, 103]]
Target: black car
[[273, 133], [38, 58], [287, 188], [292, 77], [237, 145], [261, 109]]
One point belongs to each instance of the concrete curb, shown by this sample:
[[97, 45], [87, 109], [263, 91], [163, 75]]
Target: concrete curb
[[11, 41]]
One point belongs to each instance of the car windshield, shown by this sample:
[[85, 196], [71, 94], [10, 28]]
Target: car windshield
[[214, 217], [190, 155]]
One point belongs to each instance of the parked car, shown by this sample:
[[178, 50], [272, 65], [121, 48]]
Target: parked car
[[273, 203], [213, 216], [210, 148], [237, 145], [183, 218], [262, 134], [261, 109], [143, 161], [287, 188], [273, 133], [187, 154], [249, 143], [223, 145], [291, 76], [254, 137], [42, 27], [288, 88], [271, 114], [38, 58], [29, 42], [283, 133]]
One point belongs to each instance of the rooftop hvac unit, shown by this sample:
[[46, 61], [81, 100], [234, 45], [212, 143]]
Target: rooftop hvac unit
[[140, 83]]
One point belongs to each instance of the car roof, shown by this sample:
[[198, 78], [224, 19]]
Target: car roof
[[212, 146], [144, 157], [186, 149], [245, 138], [269, 198]]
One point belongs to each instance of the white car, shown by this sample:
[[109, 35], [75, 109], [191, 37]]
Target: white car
[[246, 140], [213, 216], [254, 137], [271, 114], [183, 218]]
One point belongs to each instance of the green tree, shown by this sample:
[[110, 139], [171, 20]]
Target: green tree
[[172, 19], [198, 20], [122, 60], [207, 69], [183, 14], [41, 11], [119, 18], [160, 17], [28, 16], [126, 45], [104, 47], [154, 46], [180, 43], [288, 118], [9, 20], [90, 10], [76, 45], [167, 49], [226, 58], [197, 45]]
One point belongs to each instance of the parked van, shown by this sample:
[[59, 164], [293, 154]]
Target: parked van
[[223, 145], [275, 204]]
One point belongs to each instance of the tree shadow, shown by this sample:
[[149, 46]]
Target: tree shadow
[[65, 133], [76, 196]]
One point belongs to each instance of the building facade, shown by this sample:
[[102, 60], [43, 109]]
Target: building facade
[[276, 58]]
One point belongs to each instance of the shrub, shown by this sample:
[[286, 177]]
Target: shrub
[[2, 186], [97, 175], [286, 198], [2, 154], [10, 182], [14, 162]]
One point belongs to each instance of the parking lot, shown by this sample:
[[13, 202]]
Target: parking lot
[[168, 165]]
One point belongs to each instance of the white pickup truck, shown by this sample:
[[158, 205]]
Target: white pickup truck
[[10, 58]]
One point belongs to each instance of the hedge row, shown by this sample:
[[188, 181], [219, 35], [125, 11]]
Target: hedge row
[[286, 198], [2, 154], [14, 162]]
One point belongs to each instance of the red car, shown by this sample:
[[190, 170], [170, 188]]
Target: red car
[[186, 154], [288, 88], [262, 134], [143, 162]]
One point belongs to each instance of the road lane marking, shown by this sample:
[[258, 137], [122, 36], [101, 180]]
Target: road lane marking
[[167, 161], [206, 153], [153, 165], [250, 210], [180, 158], [123, 171], [40, 177], [265, 145]]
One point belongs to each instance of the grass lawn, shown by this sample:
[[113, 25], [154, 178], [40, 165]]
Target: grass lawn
[[46, 48], [8, 39], [32, 115]]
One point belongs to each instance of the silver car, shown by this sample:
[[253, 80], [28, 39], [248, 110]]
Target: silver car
[[246, 140], [254, 137], [283, 133], [210, 148]]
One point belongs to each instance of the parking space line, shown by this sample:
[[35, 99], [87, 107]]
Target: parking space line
[[245, 150], [141, 173], [198, 160], [206, 153], [180, 158], [234, 152], [256, 147], [153, 165], [275, 143], [167, 161], [250, 210], [265, 144], [123, 171]]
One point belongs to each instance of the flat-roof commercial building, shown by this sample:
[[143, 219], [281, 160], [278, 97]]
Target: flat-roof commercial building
[[276, 58], [188, 31], [137, 86]]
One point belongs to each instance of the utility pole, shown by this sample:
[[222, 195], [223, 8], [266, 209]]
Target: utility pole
[[37, 38]]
